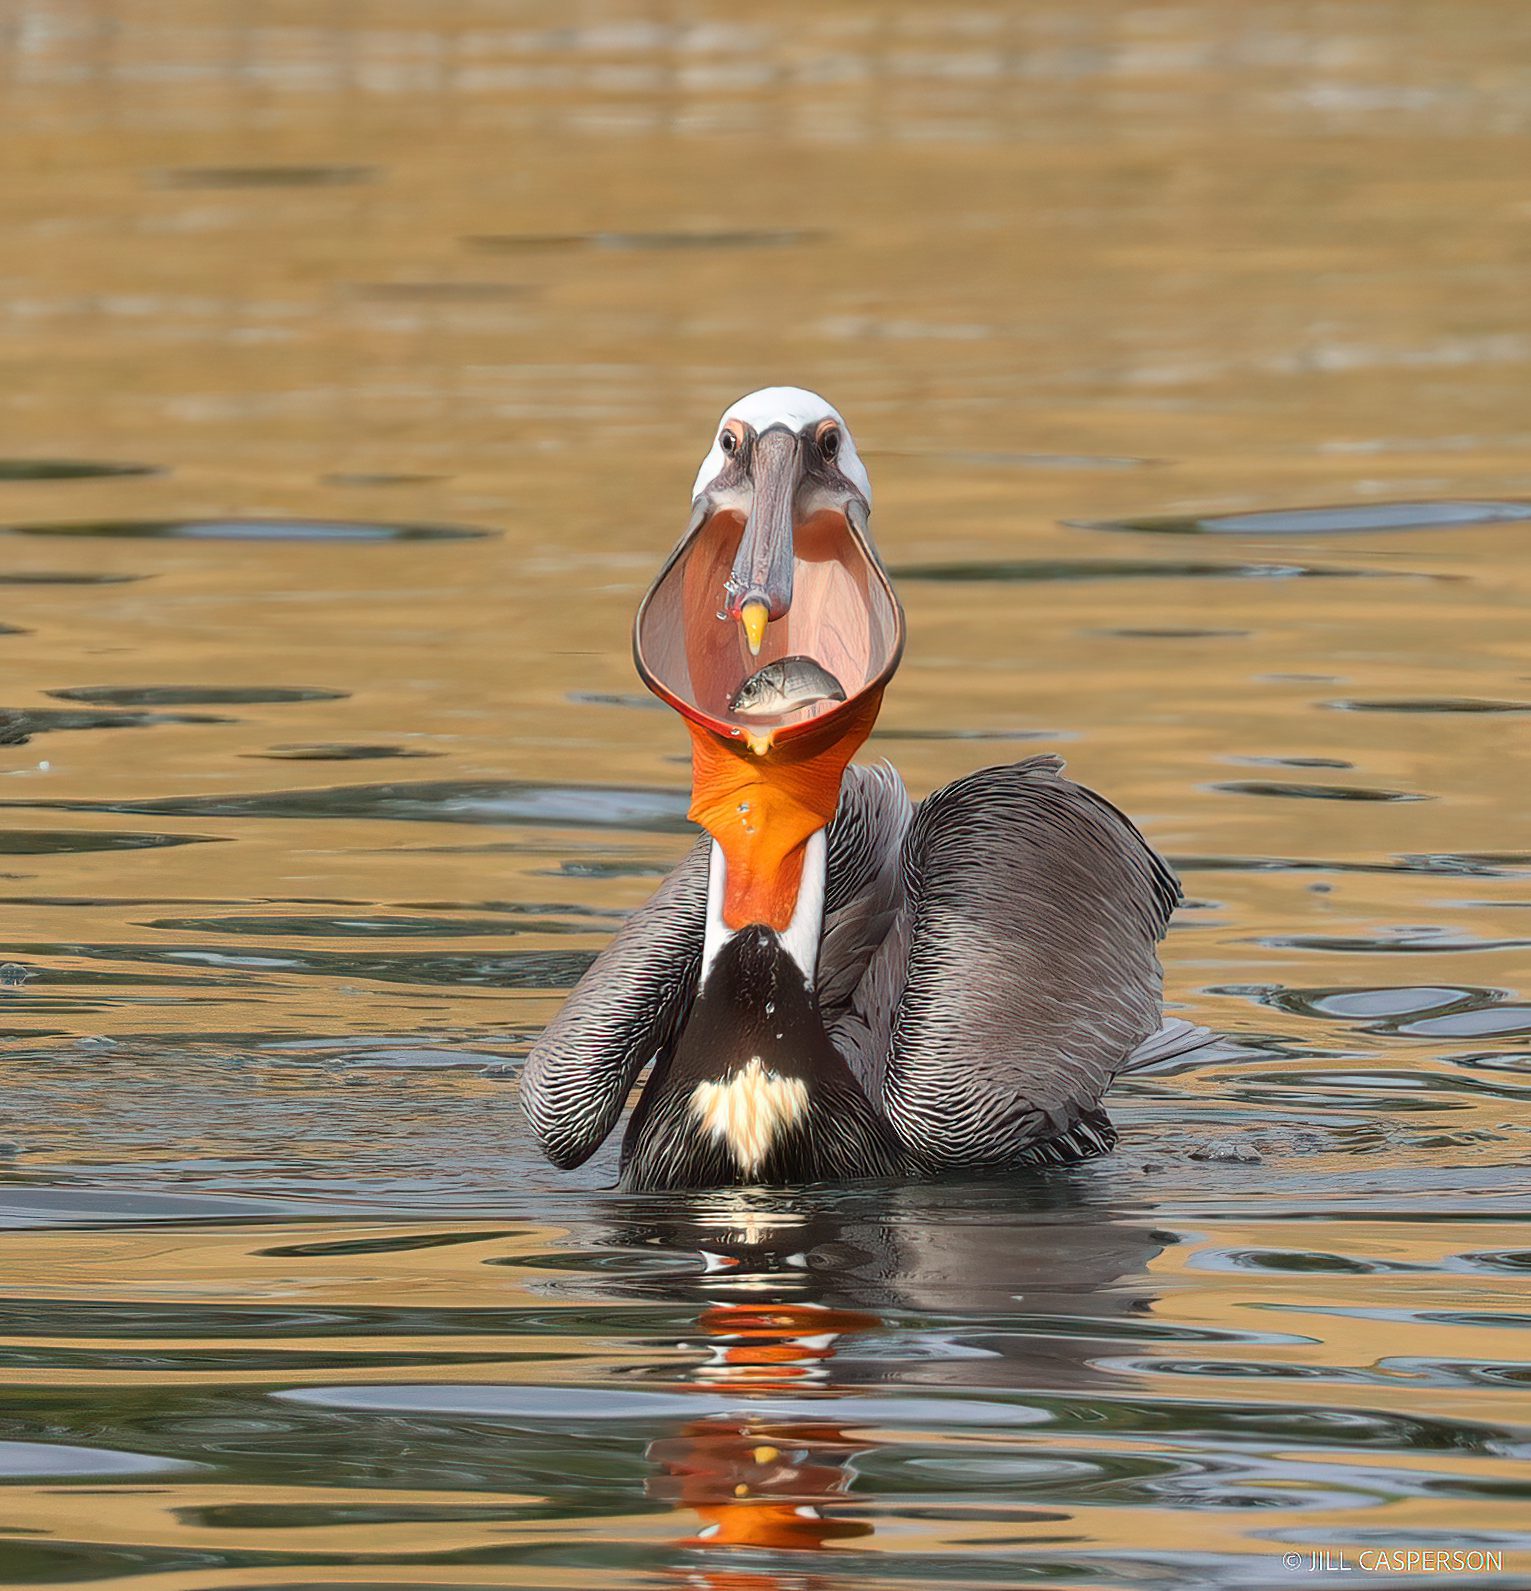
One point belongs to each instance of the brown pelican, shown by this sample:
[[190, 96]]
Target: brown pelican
[[837, 983]]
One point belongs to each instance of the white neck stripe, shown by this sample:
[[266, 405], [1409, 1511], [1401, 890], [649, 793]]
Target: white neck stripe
[[800, 938]]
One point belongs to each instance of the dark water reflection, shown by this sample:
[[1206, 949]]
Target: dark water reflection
[[358, 363], [1345, 520], [68, 469], [256, 530]]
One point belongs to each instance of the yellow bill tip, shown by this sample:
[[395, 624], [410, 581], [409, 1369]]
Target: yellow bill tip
[[754, 617]]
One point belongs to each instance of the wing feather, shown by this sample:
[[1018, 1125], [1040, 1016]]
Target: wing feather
[[629, 1006], [860, 956], [1033, 909]]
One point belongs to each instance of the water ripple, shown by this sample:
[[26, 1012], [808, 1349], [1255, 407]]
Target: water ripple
[[1345, 519]]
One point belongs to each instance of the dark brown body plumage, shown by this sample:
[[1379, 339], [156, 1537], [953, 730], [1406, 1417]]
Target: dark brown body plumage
[[756, 1017]]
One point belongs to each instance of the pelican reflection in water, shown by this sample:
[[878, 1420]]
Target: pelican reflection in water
[[1013, 1296], [837, 983]]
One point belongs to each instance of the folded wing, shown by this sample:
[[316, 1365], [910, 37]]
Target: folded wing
[[630, 1004], [1032, 912]]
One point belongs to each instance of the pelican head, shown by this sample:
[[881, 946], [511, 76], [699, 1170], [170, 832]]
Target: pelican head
[[781, 457], [776, 561], [776, 565]]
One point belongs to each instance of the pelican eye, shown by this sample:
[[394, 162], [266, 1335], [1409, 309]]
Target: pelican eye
[[829, 441]]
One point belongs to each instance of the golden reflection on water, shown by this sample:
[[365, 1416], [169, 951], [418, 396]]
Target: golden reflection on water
[[463, 265]]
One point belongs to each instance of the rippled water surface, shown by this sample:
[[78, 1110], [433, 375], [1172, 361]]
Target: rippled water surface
[[357, 361]]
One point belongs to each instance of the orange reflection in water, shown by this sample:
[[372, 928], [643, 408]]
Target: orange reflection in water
[[755, 1481]]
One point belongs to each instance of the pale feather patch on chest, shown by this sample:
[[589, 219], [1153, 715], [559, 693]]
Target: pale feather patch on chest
[[748, 1110]]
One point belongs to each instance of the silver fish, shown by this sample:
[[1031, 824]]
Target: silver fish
[[783, 687]]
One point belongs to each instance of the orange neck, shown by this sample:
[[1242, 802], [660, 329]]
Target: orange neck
[[762, 807]]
